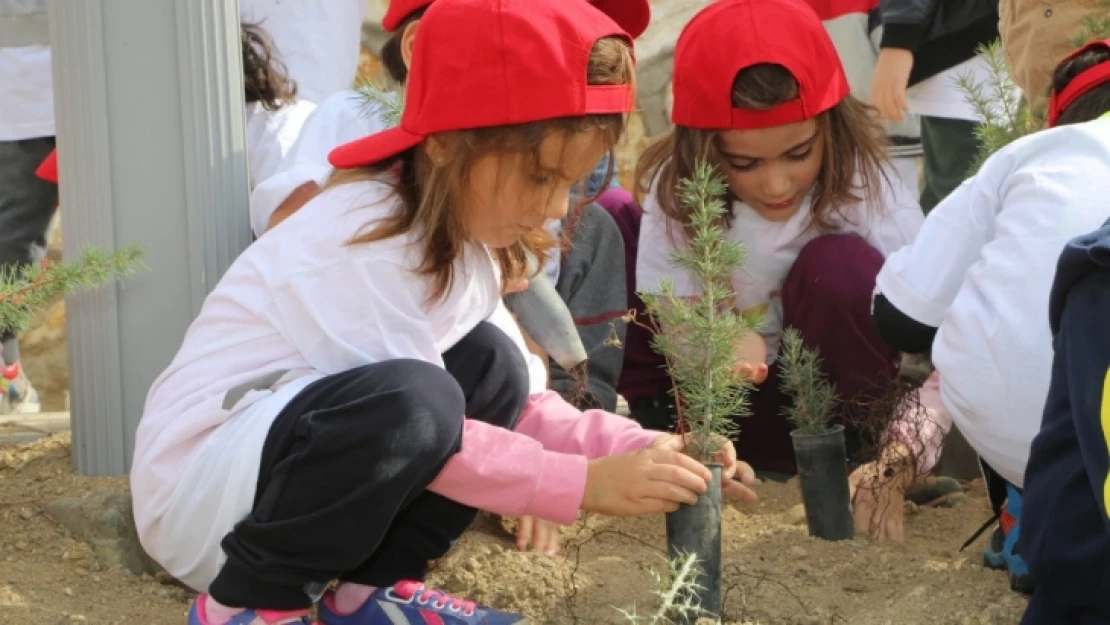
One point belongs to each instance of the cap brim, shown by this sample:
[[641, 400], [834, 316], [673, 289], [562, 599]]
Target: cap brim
[[631, 15], [373, 148]]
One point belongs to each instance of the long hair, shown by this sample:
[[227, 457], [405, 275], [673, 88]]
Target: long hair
[[432, 194], [851, 162], [264, 77]]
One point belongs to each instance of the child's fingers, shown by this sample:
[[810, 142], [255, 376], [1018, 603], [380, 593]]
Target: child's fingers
[[681, 468], [524, 529], [735, 489], [745, 474]]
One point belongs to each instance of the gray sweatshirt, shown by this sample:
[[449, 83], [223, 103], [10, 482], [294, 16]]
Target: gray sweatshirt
[[592, 283]]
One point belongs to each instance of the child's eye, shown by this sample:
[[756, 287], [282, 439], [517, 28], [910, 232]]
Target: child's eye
[[801, 157], [743, 167]]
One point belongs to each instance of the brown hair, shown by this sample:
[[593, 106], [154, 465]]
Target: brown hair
[[431, 193], [392, 59], [852, 159], [1090, 105], [264, 77]]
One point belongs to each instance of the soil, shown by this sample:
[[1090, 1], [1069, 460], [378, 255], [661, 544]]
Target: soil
[[775, 573]]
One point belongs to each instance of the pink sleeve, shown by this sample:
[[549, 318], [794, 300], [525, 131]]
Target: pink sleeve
[[922, 427], [559, 426], [507, 473], [540, 469]]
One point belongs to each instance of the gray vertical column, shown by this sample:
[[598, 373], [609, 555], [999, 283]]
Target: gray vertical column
[[151, 145]]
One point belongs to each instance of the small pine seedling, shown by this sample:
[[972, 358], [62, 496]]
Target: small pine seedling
[[27, 290], [677, 593], [697, 335], [1006, 115], [814, 396], [379, 100]]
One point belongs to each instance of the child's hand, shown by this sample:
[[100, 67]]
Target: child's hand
[[649, 481], [542, 535], [889, 81], [750, 353], [878, 494], [737, 477]]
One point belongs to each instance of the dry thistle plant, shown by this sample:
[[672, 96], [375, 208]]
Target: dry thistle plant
[[676, 593], [698, 335], [814, 396]]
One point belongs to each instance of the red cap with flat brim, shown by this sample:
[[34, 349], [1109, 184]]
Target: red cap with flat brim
[[729, 36], [462, 78], [632, 15]]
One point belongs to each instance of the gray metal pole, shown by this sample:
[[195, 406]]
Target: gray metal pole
[[151, 146]]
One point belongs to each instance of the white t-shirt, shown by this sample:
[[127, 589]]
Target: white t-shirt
[[341, 118], [26, 93], [981, 270], [942, 96], [318, 41], [271, 134], [771, 248]]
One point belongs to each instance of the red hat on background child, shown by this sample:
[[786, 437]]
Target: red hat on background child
[[48, 169], [632, 15], [1086, 80], [535, 70], [731, 35]]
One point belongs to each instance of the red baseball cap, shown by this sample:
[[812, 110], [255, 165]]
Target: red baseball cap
[[464, 78], [48, 169], [730, 35], [632, 15], [1086, 80]]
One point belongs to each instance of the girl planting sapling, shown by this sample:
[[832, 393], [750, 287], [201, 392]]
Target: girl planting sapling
[[809, 191], [340, 409]]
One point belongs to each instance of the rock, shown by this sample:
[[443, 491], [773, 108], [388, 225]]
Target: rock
[[795, 515], [21, 545], [25, 514], [798, 551], [103, 520]]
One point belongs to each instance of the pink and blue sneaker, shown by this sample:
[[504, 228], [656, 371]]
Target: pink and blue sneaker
[[197, 616], [411, 603]]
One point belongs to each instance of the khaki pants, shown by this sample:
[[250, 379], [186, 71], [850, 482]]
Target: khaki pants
[[1036, 36]]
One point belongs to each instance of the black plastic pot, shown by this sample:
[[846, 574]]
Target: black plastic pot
[[697, 529], [823, 472]]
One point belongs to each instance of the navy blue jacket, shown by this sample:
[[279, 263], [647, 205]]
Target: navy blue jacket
[[1065, 522]]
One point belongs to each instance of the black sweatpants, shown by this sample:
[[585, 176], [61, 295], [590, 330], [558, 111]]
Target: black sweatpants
[[345, 468], [27, 204]]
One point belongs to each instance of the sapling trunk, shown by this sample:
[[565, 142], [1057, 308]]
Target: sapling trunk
[[818, 444]]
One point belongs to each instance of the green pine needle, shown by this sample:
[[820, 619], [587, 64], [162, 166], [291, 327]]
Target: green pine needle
[[380, 100], [26, 291], [814, 396], [697, 335]]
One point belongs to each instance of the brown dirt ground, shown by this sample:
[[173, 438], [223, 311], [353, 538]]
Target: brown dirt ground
[[776, 574]]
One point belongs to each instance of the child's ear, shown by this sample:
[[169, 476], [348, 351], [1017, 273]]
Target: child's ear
[[435, 150], [408, 40]]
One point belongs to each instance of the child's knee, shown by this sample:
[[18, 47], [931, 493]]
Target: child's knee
[[835, 269], [490, 352]]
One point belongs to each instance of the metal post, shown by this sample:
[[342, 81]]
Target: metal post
[[151, 145]]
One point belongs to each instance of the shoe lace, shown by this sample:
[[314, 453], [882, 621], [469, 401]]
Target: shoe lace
[[440, 599]]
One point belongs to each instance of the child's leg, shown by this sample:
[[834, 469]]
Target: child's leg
[[344, 470], [591, 283], [827, 297], [27, 203], [1065, 516], [949, 147]]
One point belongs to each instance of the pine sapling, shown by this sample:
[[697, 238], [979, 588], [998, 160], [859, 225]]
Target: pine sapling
[[697, 335], [27, 290], [814, 396], [379, 100]]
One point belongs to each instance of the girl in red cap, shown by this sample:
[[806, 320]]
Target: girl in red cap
[[972, 291], [340, 409], [813, 198]]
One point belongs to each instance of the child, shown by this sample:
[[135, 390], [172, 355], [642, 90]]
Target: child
[[974, 287], [274, 114], [583, 276], [926, 46], [1067, 482], [813, 198], [855, 28], [312, 426]]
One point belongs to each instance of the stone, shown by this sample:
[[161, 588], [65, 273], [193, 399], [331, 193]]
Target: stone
[[103, 519]]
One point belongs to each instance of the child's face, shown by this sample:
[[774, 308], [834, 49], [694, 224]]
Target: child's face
[[772, 169], [510, 195]]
